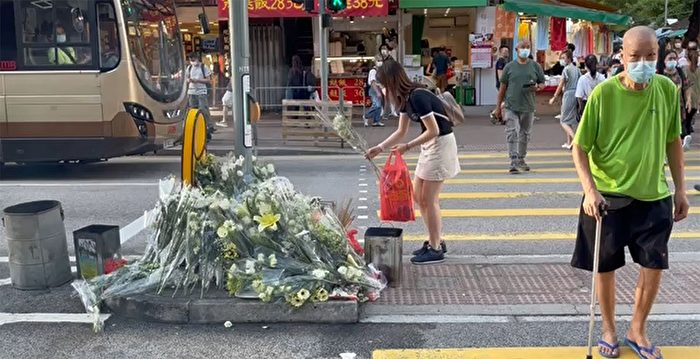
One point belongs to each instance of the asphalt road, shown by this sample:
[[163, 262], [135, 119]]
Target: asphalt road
[[119, 191]]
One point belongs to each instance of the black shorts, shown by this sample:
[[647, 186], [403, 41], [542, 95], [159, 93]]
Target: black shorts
[[644, 227]]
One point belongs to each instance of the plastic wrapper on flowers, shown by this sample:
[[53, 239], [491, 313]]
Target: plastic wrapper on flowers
[[247, 233], [343, 127]]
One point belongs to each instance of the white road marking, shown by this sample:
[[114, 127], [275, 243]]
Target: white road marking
[[363, 166], [77, 185], [362, 217], [363, 191], [361, 179], [361, 207], [385, 319], [5, 281], [362, 199], [7, 318], [410, 319], [363, 184]]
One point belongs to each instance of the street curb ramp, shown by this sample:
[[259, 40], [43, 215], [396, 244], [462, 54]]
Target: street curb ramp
[[191, 310]]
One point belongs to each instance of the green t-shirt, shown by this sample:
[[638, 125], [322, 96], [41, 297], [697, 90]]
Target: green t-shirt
[[625, 134], [516, 75]]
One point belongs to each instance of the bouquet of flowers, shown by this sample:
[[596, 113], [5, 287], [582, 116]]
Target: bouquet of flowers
[[242, 228], [343, 127]]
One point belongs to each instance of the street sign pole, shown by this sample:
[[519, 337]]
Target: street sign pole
[[240, 77], [323, 49]]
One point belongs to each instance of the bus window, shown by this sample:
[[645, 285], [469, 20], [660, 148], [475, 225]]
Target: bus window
[[8, 41], [110, 52], [156, 47], [56, 34]]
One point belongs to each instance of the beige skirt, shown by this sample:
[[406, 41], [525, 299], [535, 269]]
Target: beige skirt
[[438, 159]]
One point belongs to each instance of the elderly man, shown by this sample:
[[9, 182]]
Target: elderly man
[[636, 107], [519, 81]]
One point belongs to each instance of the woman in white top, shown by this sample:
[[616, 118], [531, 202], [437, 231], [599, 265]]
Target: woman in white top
[[588, 82]]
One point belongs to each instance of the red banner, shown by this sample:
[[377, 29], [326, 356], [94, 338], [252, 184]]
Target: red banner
[[287, 8]]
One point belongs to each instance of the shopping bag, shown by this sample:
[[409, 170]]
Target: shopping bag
[[396, 191]]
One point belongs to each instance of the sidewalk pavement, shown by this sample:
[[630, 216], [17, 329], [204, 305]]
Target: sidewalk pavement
[[476, 134], [524, 289]]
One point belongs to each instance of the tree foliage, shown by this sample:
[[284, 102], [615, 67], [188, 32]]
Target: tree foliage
[[651, 12]]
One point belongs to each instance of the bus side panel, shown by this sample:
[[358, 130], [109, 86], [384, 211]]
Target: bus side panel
[[3, 110], [54, 105]]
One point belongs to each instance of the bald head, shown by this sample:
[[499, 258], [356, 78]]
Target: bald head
[[639, 43]]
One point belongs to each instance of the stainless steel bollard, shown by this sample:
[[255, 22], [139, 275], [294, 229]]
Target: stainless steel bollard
[[384, 249], [36, 238]]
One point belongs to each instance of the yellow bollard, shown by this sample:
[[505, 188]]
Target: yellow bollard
[[194, 141]]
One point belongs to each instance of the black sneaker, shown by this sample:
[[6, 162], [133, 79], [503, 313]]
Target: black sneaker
[[514, 169], [429, 256], [420, 250], [523, 166]]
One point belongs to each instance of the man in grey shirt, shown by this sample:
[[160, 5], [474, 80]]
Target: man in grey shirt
[[519, 81], [198, 77]]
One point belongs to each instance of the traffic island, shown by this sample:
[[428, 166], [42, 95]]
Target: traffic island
[[217, 307]]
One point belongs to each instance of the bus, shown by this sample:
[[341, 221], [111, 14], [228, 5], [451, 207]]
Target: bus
[[88, 80]]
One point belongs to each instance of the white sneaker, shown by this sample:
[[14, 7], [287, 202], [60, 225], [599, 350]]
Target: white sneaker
[[558, 117], [686, 142], [222, 124], [366, 122]]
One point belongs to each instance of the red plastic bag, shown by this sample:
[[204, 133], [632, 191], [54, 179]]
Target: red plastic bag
[[396, 191]]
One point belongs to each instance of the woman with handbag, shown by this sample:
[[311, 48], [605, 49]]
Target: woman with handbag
[[438, 159]]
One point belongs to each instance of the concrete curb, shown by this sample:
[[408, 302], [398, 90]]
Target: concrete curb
[[219, 308]]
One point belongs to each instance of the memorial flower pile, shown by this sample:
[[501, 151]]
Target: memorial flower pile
[[245, 229]]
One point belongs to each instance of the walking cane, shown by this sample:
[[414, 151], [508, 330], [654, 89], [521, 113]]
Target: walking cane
[[603, 208]]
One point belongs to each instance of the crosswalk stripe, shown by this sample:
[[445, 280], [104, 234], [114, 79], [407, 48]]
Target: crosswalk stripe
[[522, 353], [499, 195], [542, 236], [515, 212], [505, 163], [541, 170], [524, 180], [539, 154]]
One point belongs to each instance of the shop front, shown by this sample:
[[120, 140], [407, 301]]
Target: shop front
[[354, 46], [429, 25]]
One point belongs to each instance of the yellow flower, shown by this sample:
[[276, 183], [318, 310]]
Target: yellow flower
[[295, 301], [303, 294], [267, 220], [321, 295], [230, 251]]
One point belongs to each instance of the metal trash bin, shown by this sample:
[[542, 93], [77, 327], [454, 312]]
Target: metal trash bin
[[97, 250], [36, 238], [384, 249]]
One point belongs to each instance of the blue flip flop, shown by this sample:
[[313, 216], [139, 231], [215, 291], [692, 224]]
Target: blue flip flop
[[613, 348], [640, 350]]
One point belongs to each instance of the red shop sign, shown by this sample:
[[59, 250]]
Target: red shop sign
[[287, 8]]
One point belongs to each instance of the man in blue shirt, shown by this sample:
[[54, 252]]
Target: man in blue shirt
[[441, 62]]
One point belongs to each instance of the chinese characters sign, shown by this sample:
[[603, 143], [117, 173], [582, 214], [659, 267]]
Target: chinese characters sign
[[287, 8]]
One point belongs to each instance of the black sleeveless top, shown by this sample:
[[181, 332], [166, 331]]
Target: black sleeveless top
[[421, 104]]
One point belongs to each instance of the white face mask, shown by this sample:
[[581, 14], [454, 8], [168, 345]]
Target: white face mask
[[379, 63], [562, 62], [385, 52], [61, 38]]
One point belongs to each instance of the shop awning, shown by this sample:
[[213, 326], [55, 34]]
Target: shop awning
[[440, 4], [557, 9]]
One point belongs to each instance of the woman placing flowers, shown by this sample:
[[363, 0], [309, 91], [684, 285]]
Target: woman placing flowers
[[438, 159]]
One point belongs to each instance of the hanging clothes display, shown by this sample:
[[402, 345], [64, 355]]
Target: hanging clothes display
[[524, 31], [557, 34], [542, 33]]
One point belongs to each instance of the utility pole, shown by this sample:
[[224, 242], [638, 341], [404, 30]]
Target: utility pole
[[323, 49], [666, 14], [240, 77]]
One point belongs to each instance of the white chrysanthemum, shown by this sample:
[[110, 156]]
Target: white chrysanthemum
[[319, 273], [270, 168]]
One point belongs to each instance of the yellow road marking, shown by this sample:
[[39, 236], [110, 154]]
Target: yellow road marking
[[543, 236], [522, 353], [497, 195], [514, 179], [486, 155], [515, 212]]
